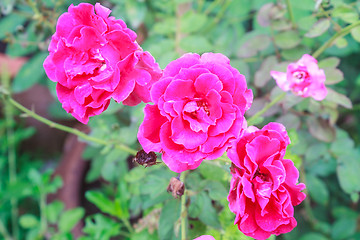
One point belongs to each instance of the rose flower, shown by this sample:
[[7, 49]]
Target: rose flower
[[93, 58], [199, 109], [205, 237], [303, 78], [263, 188]]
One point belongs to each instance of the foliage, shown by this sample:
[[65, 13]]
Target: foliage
[[131, 201]]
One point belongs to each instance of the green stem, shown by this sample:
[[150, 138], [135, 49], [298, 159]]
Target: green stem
[[183, 213], [127, 224], [212, 6], [4, 232], [43, 219], [9, 119], [218, 17], [71, 130], [339, 34], [307, 203], [291, 14], [267, 106]]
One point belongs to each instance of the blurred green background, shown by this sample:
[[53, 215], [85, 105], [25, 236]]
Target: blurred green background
[[53, 186]]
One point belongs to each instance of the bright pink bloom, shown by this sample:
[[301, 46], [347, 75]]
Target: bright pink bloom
[[263, 188], [303, 78], [205, 237], [199, 109], [94, 57]]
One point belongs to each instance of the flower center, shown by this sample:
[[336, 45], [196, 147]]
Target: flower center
[[261, 175], [300, 76], [204, 105]]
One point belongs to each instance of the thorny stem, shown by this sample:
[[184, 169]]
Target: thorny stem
[[339, 34], [71, 130], [183, 213], [9, 119], [291, 14], [267, 106]]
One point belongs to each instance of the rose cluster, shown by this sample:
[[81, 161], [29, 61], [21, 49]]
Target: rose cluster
[[93, 58], [264, 187], [196, 110], [199, 106]]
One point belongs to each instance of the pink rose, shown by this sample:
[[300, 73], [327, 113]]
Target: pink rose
[[93, 58], [205, 237], [199, 109], [263, 188], [303, 78]]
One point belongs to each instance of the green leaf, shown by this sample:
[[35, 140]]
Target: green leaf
[[30, 73], [287, 39], [313, 236], [321, 129], [331, 62], [216, 190], [333, 76], [69, 219], [317, 189], [135, 174], [23, 43], [341, 42], [101, 201], [28, 221], [343, 228], [342, 146], [355, 33], [34, 177], [53, 211], [136, 11], [316, 151], [343, 212], [264, 14], [170, 213], [345, 13], [318, 28], [348, 170], [9, 23], [213, 172], [100, 227], [253, 45], [208, 214], [192, 22], [262, 76], [338, 98], [165, 27], [196, 44], [293, 54]]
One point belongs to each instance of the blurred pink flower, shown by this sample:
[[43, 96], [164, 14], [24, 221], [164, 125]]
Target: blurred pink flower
[[205, 237], [303, 78], [199, 110], [263, 188], [93, 58]]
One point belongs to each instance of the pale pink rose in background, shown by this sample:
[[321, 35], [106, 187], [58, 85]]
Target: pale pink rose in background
[[263, 188], [199, 110], [93, 58], [303, 78], [205, 237]]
